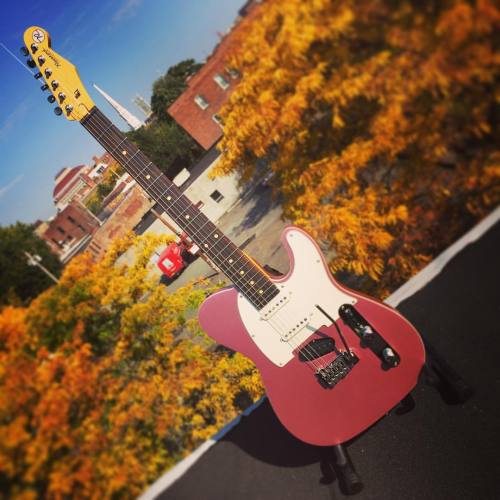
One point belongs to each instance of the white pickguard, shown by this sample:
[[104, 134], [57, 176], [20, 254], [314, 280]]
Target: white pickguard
[[307, 286]]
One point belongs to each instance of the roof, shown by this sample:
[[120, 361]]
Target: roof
[[63, 183], [226, 44]]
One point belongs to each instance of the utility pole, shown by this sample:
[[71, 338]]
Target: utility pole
[[35, 260]]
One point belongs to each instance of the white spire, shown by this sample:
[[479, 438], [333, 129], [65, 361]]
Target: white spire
[[133, 122]]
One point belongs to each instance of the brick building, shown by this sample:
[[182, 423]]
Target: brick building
[[71, 184], [69, 231], [196, 109]]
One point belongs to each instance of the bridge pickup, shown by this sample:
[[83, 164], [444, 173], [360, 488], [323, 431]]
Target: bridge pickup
[[316, 349], [330, 375], [370, 338]]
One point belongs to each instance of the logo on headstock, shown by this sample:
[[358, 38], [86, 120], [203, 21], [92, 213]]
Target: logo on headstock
[[38, 36]]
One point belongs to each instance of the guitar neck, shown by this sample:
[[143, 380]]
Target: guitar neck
[[242, 271]]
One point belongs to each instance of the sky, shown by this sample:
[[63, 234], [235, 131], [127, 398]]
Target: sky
[[121, 45]]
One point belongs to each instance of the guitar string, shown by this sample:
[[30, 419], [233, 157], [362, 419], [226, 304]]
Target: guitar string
[[273, 321], [110, 126], [159, 192], [309, 349]]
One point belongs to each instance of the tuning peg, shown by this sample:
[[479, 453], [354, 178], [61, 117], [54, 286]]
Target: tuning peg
[[61, 96], [51, 99], [24, 51], [47, 72], [38, 75], [58, 111], [44, 87], [41, 60], [68, 108], [54, 84], [31, 63], [34, 47]]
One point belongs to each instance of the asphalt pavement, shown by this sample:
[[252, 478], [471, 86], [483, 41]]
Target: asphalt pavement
[[439, 450]]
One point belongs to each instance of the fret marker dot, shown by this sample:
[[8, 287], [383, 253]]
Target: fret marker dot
[[187, 216], [169, 198], [205, 245], [216, 235], [242, 272], [261, 291], [252, 282], [230, 261], [148, 177], [124, 153]]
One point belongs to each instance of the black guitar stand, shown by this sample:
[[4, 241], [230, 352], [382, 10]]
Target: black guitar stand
[[436, 372]]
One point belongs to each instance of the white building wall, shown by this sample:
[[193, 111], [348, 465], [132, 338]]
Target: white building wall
[[200, 190]]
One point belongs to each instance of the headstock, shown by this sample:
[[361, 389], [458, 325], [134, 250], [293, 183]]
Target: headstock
[[60, 76]]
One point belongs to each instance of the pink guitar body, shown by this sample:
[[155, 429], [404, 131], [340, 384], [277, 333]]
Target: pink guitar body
[[313, 413]]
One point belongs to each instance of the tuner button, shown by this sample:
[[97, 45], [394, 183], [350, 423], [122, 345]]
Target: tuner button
[[44, 87], [61, 96], [34, 47], [58, 111], [68, 108], [51, 99], [38, 75], [24, 51], [54, 84], [47, 72], [31, 63], [41, 60]]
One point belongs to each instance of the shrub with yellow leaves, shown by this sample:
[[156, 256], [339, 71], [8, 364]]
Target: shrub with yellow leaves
[[106, 380], [377, 118]]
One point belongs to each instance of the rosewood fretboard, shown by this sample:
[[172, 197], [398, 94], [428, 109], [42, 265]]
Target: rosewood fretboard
[[242, 271]]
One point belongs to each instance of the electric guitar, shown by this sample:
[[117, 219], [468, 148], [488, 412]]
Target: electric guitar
[[333, 361]]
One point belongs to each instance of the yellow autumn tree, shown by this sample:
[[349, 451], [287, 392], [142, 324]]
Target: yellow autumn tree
[[377, 118], [106, 380]]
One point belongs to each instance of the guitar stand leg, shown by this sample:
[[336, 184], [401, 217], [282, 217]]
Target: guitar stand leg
[[349, 480]]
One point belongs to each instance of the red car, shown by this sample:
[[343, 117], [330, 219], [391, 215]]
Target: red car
[[175, 257]]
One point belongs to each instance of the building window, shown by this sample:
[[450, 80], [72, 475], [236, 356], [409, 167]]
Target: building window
[[217, 196], [202, 103], [221, 81], [233, 73], [73, 221], [61, 230], [217, 119]]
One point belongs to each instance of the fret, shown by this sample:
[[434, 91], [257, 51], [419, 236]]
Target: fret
[[130, 159], [141, 172], [242, 271]]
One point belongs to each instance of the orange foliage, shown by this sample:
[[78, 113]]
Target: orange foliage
[[378, 121], [106, 380]]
